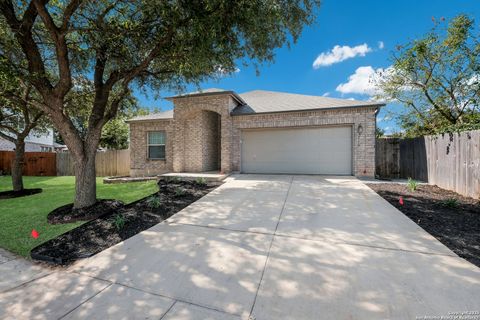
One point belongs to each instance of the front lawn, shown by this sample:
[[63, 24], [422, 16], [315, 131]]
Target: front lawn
[[18, 216]]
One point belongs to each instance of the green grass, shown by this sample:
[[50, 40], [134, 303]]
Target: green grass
[[19, 216]]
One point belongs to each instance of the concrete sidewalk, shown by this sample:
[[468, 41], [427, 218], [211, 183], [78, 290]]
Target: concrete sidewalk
[[264, 247]]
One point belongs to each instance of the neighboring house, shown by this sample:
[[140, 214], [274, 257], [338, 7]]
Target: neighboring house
[[35, 142], [60, 147], [256, 132]]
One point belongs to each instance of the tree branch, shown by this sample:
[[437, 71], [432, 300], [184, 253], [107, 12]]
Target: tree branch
[[6, 136], [69, 11], [23, 32], [61, 49]]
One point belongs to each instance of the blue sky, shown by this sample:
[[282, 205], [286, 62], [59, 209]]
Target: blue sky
[[350, 25]]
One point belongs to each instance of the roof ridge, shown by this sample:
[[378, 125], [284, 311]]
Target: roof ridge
[[304, 95]]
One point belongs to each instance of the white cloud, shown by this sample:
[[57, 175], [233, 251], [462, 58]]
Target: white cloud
[[222, 72], [326, 94], [385, 118], [361, 81], [381, 45], [339, 54]]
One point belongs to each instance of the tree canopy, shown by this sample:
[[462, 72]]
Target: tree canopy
[[120, 44], [437, 78]]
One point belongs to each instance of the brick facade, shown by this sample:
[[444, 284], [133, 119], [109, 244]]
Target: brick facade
[[196, 120], [204, 136], [140, 165]]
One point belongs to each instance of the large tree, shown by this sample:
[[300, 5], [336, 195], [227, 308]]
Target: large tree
[[437, 78], [124, 43], [18, 117]]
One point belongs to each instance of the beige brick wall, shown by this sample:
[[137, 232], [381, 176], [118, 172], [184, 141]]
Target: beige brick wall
[[194, 123], [211, 143], [363, 143], [140, 165]]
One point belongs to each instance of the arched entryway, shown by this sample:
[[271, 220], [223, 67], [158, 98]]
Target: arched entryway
[[202, 142], [211, 141]]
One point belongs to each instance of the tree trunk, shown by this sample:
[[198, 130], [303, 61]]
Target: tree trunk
[[85, 181], [17, 167]]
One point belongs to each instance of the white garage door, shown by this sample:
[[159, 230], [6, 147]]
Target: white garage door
[[320, 150]]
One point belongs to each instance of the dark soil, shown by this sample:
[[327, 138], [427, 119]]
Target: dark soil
[[454, 223], [15, 194], [108, 230], [67, 214]]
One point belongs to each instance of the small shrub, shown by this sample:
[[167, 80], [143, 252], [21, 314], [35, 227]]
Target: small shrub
[[412, 184], [450, 203], [153, 202], [179, 192], [119, 221], [201, 181]]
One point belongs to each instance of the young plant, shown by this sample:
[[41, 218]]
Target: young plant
[[412, 184], [119, 221], [179, 192], [175, 179], [153, 202], [450, 203], [201, 181]]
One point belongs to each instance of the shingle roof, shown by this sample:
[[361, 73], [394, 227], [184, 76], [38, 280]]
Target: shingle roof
[[208, 92], [260, 101], [164, 115]]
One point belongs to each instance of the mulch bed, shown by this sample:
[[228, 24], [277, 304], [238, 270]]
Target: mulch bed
[[15, 194], [67, 214], [103, 232], [455, 223]]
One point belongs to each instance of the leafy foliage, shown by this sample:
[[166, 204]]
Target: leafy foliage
[[119, 221], [201, 181], [122, 44], [412, 184], [450, 202], [180, 192], [437, 78], [153, 202], [379, 132]]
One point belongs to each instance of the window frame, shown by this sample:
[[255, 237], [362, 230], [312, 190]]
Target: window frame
[[157, 145]]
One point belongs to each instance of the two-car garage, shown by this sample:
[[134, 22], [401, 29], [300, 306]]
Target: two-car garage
[[302, 150]]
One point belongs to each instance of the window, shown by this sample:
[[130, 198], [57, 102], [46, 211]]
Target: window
[[156, 145]]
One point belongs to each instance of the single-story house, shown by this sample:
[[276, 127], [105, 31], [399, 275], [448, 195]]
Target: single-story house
[[34, 142], [256, 132]]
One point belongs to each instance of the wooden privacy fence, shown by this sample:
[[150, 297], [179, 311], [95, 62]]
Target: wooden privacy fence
[[450, 161], [36, 163], [108, 163]]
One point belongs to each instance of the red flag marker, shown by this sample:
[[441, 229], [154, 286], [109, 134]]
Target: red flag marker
[[401, 201], [35, 234]]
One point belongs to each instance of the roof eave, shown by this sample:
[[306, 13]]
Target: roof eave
[[203, 94], [146, 120], [375, 105]]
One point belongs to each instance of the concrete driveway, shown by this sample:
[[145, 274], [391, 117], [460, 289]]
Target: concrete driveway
[[264, 247]]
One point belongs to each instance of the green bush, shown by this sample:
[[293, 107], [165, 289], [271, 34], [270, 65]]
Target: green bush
[[119, 221], [412, 184], [153, 202], [201, 181], [179, 192], [450, 203]]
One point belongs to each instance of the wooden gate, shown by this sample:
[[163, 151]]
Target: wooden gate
[[36, 163]]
